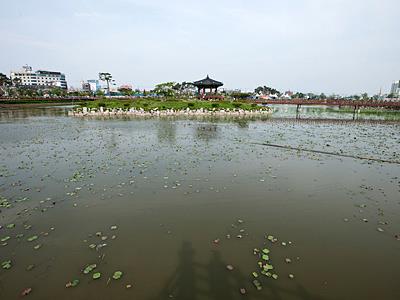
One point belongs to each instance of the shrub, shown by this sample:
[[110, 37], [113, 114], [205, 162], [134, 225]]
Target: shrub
[[190, 104], [253, 104], [215, 105], [101, 104], [126, 105], [237, 105]]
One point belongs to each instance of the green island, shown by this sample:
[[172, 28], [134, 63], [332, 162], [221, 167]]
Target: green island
[[148, 104]]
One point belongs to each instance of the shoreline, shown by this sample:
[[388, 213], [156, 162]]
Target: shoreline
[[87, 112]]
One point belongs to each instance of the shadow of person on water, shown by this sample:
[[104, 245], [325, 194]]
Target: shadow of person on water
[[212, 281]]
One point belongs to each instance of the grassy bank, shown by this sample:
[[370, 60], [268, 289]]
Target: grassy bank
[[176, 104]]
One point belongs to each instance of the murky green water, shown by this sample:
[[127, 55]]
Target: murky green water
[[178, 191]]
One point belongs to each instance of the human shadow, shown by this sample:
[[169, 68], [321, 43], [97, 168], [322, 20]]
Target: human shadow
[[224, 284], [213, 281], [182, 283]]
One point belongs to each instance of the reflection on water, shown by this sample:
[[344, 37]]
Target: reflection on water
[[206, 132], [176, 189], [327, 112], [166, 131], [21, 113]]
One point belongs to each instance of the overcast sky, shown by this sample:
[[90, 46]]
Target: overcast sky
[[331, 46]]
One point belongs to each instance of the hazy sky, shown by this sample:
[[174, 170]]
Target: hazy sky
[[331, 46]]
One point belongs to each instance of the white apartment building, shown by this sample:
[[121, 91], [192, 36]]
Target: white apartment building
[[39, 79], [395, 90]]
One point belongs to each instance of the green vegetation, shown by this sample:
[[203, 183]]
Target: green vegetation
[[176, 104]]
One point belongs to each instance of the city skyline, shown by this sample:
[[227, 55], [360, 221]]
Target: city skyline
[[309, 46]]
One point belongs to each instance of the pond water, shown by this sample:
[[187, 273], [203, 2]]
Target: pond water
[[172, 202]]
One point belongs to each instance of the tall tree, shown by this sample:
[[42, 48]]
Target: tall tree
[[4, 80], [107, 77], [265, 90], [166, 89]]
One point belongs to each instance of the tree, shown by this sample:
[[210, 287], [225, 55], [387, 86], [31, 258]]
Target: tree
[[265, 90], [364, 96], [58, 92], [167, 89], [100, 93], [322, 96], [4, 80], [298, 96], [26, 92], [185, 88], [240, 95], [107, 77], [16, 82], [126, 90]]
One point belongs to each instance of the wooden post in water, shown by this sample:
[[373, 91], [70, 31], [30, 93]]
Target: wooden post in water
[[298, 111], [355, 111]]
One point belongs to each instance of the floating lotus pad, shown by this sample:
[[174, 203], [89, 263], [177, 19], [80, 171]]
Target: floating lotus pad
[[89, 268], [32, 238], [96, 275], [268, 274], [72, 283], [268, 267], [6, 264], [117, 275], [4, 239], [257, 284], [265, 251]]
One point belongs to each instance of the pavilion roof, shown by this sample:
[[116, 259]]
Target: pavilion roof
[[208, 82]]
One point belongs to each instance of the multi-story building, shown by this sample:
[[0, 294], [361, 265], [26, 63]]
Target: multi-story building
[[39, 79], [91, 85], [395, 90]]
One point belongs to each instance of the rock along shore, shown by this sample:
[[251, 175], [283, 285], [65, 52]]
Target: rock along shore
[[101, 112]]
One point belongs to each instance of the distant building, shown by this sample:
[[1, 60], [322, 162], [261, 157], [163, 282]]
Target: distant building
[[395, 90], [39, 79], [92, 85], [86, 86]]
